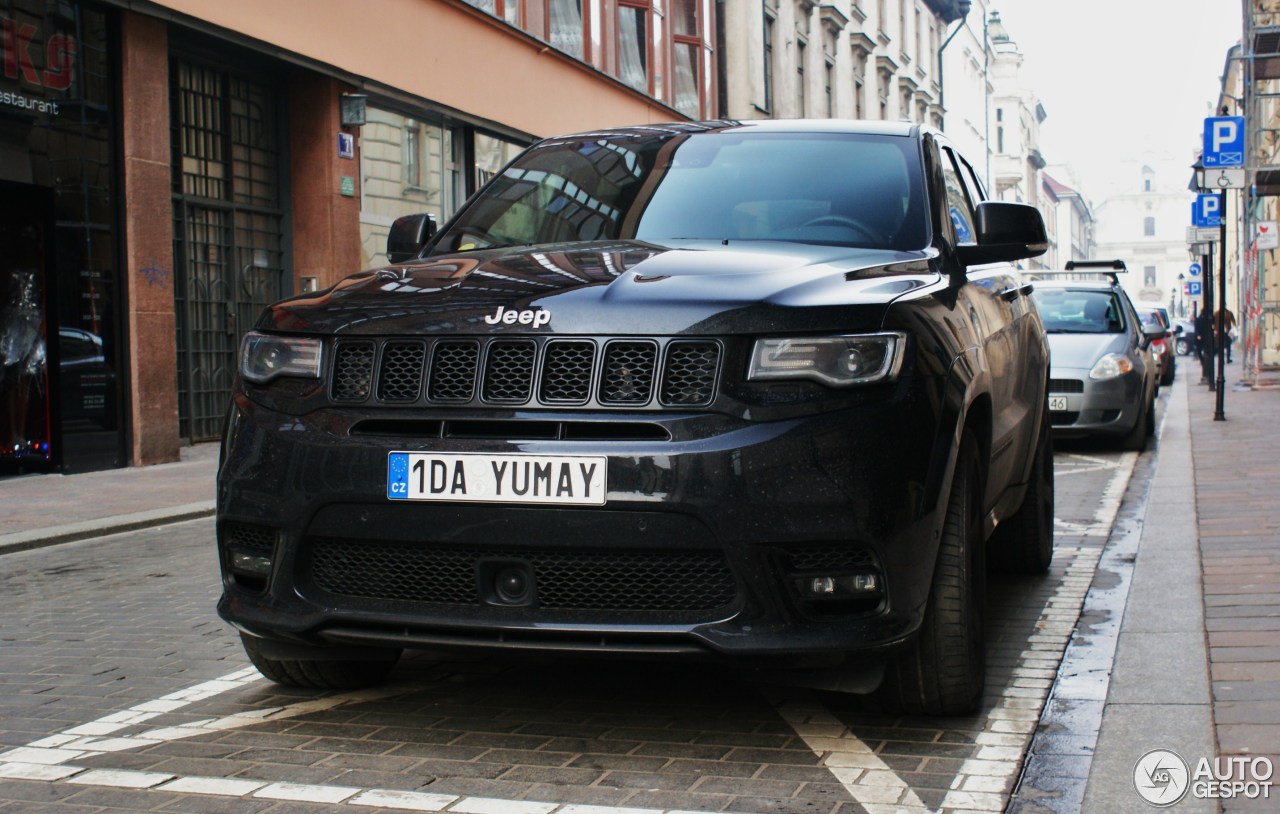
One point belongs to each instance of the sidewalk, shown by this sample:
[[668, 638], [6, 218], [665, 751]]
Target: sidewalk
[[1196, 666], [40, 510], [1237, 475]]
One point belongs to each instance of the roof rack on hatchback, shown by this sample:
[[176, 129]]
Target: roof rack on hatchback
[[1110, 268]]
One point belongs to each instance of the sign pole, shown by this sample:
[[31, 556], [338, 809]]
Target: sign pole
[[1220, 338]]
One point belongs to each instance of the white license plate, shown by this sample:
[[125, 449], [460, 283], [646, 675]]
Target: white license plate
[[546, 479], [1058, 404]]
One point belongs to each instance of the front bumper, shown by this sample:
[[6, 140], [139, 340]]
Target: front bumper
[[699, 549], [1107, 407]]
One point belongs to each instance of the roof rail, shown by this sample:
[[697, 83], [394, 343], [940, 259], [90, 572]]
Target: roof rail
[[1116, 265], [1109, 268]]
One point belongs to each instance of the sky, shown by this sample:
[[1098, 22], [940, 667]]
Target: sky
[[1124, 82]]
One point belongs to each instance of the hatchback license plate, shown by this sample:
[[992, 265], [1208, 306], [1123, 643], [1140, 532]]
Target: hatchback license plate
[[1058, 404], [473, 478]]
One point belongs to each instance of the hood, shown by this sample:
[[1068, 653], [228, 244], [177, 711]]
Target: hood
[[1081, 351], [618, 288]]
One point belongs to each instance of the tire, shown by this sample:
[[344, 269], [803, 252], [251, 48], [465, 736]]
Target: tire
[[320, 673], [1166, 378], [943, 671], [1023, 543], [1183, 347], [1136, 439]]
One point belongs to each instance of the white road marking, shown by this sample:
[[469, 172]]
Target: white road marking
[[48, 759], [983, 780]]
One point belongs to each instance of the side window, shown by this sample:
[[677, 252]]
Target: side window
[[958, 205], [977, 192]]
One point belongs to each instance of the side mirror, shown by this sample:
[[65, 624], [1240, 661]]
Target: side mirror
[[408, 235], [1005, 231]]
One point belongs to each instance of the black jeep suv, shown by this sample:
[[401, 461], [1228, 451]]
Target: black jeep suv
[[765, 391]]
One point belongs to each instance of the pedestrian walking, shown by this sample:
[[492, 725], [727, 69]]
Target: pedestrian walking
[[1225, 328], [1205, 346]]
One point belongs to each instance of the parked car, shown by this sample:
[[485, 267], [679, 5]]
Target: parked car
[[1103, 375], [1155, 321], [747, 390], [1185, 342]]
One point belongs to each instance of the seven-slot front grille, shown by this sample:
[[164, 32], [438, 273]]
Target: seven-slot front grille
[[513, 371]]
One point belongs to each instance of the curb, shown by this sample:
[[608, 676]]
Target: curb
[[39, 538]]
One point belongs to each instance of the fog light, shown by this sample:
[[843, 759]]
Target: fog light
[[838, 587], [822, 585], [250, 564]]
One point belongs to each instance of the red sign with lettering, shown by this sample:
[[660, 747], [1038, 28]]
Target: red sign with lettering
[[19, 43]]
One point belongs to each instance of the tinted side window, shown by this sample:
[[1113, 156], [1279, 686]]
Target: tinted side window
[[958, 205]]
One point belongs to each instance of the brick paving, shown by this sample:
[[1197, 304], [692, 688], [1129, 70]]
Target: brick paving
[[592, 734], [1237, 467]]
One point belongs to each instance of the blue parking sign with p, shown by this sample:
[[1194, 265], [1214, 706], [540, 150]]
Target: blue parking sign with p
[[1223, 141], [1207, 210]]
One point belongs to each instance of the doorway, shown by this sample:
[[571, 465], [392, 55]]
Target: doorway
[[228, 229]]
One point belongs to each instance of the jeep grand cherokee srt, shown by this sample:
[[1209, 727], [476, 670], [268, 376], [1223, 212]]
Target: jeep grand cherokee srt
[[759, 391]]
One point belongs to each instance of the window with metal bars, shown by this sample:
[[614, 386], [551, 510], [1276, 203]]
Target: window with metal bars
[[228, 228]]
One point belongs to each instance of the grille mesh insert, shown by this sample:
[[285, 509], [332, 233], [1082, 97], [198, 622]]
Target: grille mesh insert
[[831, 557], [565, 579], [400, 377], [628, 372], [690, 375], [508, 374], [453, 370], [352, 369], [566, 372]]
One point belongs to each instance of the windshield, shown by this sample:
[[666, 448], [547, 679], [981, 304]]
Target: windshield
[[828, 188], [1091, 312]]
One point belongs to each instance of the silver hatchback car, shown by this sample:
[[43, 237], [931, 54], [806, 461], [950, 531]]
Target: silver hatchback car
[[1102, 373]]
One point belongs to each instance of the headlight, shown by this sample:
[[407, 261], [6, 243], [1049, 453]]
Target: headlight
[[837, 361], [264, 357], [1110, 366]]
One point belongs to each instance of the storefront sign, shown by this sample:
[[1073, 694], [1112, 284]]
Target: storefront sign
[[38, 61]]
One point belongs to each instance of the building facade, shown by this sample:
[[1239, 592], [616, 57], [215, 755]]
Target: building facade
[[1068, 219], [852, 59], [167, 168], [1146, 226]]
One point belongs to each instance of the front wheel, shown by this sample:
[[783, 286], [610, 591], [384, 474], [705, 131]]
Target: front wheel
[[1143, 427], [944, 670], [1183, 347], [317, 668]]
